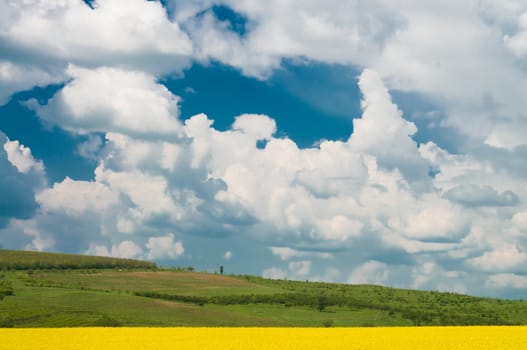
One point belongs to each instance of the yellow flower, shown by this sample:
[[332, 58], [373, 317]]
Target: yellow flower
[[430, 338]]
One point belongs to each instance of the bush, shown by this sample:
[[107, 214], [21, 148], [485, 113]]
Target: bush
[[6, 289], [6, 322], [322, 303], [327, 323]]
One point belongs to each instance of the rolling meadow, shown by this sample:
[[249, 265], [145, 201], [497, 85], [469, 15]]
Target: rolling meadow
[[60, 290]]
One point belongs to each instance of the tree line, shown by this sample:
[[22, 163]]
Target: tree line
[[417, 314]]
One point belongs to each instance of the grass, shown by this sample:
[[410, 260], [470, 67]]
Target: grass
[[111, 297], [169, 282], [47, 307]]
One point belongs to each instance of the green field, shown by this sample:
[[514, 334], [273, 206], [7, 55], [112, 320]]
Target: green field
[[70, 295]]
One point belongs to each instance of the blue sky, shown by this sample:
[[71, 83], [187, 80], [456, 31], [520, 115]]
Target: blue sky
[[358, 142]]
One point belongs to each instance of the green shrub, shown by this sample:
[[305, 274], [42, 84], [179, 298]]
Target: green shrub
[[6, 289], [327, 323], [6, 322]]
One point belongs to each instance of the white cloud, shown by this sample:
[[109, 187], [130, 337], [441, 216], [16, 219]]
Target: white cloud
[[296, 270], [299, 269], [427, 274], [435, 220], [21, 157], [125, 249], [370, 272], [436, 51], [109, 99], [220, 182], [383, 133], [18, 77], [29, 236], [286, 253], [261, 127], [506, 280], [227, 255], [332, 31], [473, 195], [331, 274], [274, 273], [74, 197], [164, 247], [132, 34], [511, 19], [21, 176], [148, 196], [519, 220], [41, 38], [91, 147], [501, 259]]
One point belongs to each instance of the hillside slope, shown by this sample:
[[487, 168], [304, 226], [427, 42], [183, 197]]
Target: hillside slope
[[25, 260], [139, 295]]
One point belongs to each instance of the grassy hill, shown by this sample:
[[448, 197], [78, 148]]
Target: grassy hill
[[134, 293], [24, 260]]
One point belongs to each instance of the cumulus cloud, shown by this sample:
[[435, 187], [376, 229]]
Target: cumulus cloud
[[21, 157], [519, 220], [474, 195], [91, 147], [403, 42], [138, 35], [296, 270], [40, 39], [504, 280], [211, 182], [21, 176], [505, 258], [383, 133], [431, 275], [286, 253], [370, 272], [280, 29], [164, 247], [73, 197], [274, 273], [261, 127], [124, 249], [435, 220], [110, 99], [511, 19], [299, 269], [16, 77]]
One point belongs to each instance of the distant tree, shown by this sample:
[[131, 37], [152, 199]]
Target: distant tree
[[221, 270], [322, 303]]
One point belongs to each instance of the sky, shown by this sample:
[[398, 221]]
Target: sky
[[351, 141]]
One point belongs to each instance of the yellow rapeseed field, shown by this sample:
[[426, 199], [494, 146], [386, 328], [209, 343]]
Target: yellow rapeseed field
[[473, 338]]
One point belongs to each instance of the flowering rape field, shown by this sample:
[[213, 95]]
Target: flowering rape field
[[266, 338]]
